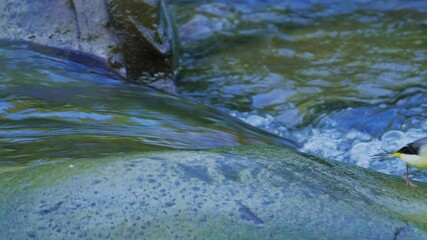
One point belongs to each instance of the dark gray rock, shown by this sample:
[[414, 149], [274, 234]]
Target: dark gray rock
[[249, 192], [133, 37]]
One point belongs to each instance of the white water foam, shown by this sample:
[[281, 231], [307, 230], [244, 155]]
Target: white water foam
[[352, 146]]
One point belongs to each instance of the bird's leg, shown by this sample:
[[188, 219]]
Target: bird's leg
[[406, 177]]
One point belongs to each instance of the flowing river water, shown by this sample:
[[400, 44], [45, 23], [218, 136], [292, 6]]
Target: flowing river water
[[53, 109], [344, 79]]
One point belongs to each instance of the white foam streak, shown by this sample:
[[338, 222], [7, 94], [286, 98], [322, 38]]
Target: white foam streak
[[350, 146]]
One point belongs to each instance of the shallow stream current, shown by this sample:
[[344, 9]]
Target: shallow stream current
[[344, 79], [54, 109]]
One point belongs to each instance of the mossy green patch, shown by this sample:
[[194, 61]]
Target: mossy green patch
[[238, 192]]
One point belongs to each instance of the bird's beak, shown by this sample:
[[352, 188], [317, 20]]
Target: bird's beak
[[395, 154]]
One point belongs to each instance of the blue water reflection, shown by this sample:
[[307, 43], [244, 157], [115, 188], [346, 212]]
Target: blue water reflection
[[52, 108], [335, 76]]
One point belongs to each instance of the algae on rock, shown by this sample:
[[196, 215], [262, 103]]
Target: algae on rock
[[231, 193]]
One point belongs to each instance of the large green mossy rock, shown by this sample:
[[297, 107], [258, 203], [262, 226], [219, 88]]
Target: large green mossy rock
[[134, 37], [248, 192]]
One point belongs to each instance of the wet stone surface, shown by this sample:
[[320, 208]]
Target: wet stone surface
[[240, 192]]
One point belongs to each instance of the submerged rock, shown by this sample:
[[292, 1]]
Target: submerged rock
[[50, 108], [232, 193], [133, 37]]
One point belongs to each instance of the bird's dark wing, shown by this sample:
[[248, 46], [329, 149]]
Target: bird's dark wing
[[414, 147]]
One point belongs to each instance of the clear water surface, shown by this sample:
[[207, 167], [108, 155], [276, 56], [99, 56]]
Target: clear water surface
[[53, 109], [344, 79]]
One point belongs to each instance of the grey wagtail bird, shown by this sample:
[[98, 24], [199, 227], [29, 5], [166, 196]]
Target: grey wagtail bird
[[413, 154]]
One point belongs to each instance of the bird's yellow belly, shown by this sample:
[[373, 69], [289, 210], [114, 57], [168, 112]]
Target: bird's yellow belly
[[416, 161], [419, 165]]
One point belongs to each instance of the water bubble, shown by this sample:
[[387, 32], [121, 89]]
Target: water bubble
[[361, 153], [256, 120], [323, 143], [392, 136]]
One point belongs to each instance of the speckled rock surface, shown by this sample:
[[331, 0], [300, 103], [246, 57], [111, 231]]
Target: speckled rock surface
[[133, 37], [247, 192]]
